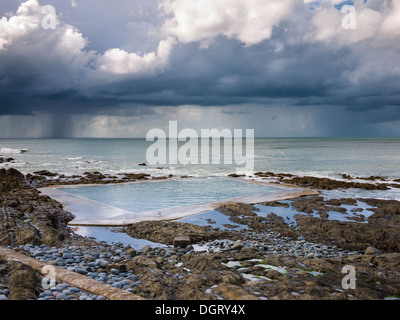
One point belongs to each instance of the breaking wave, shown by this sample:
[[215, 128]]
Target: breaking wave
[[10, 150]]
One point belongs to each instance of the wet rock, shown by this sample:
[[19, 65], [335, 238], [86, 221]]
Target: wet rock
[[45, 173], [274, 274], [237, 246], [24, 282], [146, 249], [246, 214], [6, 160], [372, 250], [350, 235], [165, 232], [309, 204], [101, 263], [28, 217], [233, 292], [247, 249], [11, 179], [275, 204], [28, 234], [235, 175], [201, 263], [330, 184], [130, 251], [182, 241], [153, 280], [339, 202], [237, 209]]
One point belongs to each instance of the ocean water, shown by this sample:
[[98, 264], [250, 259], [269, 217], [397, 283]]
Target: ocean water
[[301, 156], [320, 157]]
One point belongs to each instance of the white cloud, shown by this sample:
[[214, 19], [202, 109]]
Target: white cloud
[[22, 24], [377, 21], [390, 27], [328, 25], [24, 30], [60, 59], [53, 58], [119, 61], [249, 21]]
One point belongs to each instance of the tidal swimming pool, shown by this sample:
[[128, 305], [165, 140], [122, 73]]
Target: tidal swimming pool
[[124, 204], [156, 195]]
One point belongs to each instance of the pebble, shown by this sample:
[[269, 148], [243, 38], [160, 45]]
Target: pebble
[[5, 292], [114, 271], [73, 289], [61, 296], [101, 263], [81, 271], [93, 262], [67, 255], [47, 293]]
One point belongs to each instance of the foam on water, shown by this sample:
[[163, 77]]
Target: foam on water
[[10, 150]]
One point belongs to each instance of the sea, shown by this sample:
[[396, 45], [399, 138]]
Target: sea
[[319, 157]]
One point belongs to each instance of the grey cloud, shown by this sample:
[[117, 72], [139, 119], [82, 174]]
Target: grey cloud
[[283, 71]]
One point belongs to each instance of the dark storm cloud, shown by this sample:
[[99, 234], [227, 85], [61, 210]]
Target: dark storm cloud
[[228, 74], [49, 72]]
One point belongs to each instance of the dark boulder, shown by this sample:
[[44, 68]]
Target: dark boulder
[[12, 179], [24, 282]]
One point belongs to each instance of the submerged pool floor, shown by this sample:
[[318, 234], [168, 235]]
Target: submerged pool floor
[[140, 197], [121, 204]]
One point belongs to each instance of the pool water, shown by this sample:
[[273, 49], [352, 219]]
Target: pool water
[[156, 195]]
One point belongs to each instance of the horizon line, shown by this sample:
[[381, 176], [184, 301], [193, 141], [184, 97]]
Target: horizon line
[[260, 137]]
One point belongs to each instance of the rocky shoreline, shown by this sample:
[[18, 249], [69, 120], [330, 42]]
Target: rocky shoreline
[[269, 259]]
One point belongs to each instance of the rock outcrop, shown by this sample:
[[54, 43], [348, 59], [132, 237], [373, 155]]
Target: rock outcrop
[[24, 282], [165, 232], [380, 230], [26, 216], [11, 179]]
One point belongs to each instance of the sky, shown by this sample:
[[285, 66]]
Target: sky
[[118, 68]]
